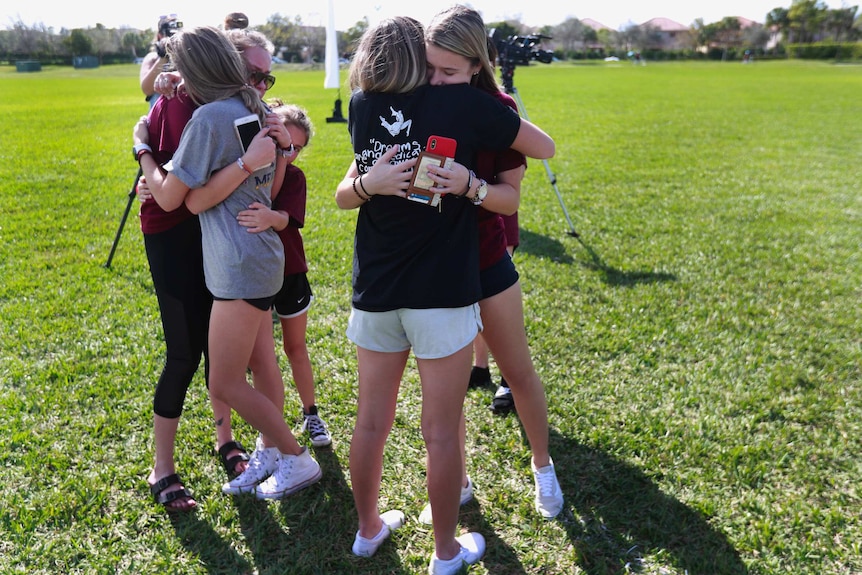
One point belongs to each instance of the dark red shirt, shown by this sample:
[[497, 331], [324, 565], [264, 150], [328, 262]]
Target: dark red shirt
[[291, 199], [492, 228], [168, 118]]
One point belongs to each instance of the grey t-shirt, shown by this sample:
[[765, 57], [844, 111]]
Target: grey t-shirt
[[237, 264]]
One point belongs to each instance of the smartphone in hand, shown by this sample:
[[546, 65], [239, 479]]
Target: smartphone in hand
[[439, 151], [246, 129]]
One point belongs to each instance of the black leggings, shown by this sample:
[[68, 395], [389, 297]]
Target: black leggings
[[176, 264]]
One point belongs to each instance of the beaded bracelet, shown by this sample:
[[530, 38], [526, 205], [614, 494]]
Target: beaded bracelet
[[355, 191], [361, 185]]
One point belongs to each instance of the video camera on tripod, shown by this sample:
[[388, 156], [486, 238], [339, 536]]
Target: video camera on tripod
[[518, 50], [522, 50]]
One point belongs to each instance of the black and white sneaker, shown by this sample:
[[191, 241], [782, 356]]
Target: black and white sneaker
[[316, 429], [503, 401]]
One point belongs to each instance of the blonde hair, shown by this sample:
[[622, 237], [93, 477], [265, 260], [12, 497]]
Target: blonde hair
[[244, 39], [293, 115], [212, 68], [390, 57], [461, 30]]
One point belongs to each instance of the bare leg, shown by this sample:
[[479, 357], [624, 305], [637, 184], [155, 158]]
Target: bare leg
[[379, 380], [503, 318], [265, 371], [480, 351], [234, 329], [444, 385], [295, 347], [165, 432]]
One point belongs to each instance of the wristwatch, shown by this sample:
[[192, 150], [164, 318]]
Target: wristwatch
[[481, 192], [139, 150]]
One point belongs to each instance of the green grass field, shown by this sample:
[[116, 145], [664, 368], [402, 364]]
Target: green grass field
[[699, 342]]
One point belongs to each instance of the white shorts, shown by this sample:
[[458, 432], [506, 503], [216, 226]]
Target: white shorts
[[432, 333]]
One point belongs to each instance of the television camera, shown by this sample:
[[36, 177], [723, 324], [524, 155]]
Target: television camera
[[518, 50], [169, 26]]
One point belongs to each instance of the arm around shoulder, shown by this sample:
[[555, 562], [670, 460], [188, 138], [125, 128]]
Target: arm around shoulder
[[533, 142]]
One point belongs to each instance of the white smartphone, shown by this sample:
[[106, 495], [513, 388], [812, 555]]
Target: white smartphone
[[246, 128]]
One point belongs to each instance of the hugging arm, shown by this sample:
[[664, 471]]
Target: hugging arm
[[383, 179], [261, 153], [533, 142]]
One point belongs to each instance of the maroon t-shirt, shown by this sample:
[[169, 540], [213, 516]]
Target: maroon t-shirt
[[492, 228], [291, 199], [168, 118]]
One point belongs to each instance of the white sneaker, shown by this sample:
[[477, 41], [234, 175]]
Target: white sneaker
[[261, 464], [466, 497], [549, 496], [294, 472], [392, 520], [472, 549]]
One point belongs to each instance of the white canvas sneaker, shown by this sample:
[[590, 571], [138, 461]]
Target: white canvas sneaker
[[549, 496], [261, 464], [472, 549], [466, 496], [392, 520], [294, 472]]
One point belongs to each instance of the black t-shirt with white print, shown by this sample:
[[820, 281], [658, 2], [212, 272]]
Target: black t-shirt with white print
[[409, 254]]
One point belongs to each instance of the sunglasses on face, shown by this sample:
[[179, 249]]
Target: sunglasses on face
[[267, 79]]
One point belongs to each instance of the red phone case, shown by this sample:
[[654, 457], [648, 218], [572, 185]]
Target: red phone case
[[441, 146]]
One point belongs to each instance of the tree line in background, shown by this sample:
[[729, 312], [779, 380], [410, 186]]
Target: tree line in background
[[806, 29]]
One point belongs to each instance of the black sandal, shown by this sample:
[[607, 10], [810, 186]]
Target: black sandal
[[166, 499], [230, 463]]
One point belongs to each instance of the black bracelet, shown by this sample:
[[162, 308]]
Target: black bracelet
[[361, 185], [355, 191]]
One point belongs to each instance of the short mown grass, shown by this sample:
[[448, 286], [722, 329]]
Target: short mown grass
[[699, 341]]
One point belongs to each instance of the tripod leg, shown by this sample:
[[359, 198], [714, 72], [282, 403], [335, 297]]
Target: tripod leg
[[132, 195], [551, 177]]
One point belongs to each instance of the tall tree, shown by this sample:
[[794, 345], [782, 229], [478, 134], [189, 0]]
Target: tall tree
[[79, 43], [779, 19], [569, 34], [805, 18]]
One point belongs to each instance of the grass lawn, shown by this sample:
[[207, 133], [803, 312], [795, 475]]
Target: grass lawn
[[699, 341]]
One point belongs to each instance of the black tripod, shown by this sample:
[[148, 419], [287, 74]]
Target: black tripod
[[132, 196], [507, 70]]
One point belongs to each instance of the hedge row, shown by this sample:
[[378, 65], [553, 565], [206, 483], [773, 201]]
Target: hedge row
[[826, 51]]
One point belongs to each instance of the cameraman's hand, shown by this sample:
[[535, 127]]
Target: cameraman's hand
[[141, 132], [449, 180], [160, 47], [261, 151], [388, 179], [166, 83]]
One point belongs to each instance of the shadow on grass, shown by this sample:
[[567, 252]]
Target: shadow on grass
[[199, 537], [312, 530], [615, 515], [499, 558], [615, 277], [544, 246]]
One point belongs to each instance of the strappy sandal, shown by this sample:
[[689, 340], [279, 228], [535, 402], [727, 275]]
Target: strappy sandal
[[230, 463], [166, 499]]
